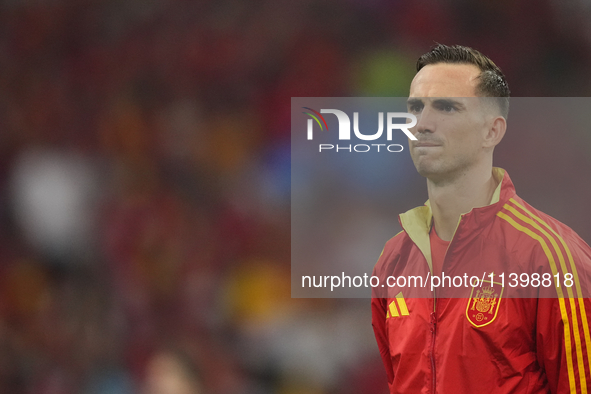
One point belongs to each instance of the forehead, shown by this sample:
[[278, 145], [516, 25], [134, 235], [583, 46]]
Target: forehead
[[445, 80]]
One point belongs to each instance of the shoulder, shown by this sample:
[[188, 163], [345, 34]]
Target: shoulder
[[536, 234], [392, 248], [396, 244], [526, 222], [396, 241]]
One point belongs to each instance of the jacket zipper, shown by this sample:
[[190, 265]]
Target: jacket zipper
[[434, 320], [433, 333]]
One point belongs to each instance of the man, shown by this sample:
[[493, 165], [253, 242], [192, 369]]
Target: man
[[480, 338]]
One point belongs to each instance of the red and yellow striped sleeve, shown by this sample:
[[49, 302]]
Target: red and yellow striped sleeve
[[563, 335]]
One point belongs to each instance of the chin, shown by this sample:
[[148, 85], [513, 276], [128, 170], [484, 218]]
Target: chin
[[426, 168], [427, 173], [432, 171], [424, 171]]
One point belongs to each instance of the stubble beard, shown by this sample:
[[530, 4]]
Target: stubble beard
[[443, 170]]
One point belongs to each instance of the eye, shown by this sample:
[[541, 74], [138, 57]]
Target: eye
[[415, 108], [448, 108], [445, 106]]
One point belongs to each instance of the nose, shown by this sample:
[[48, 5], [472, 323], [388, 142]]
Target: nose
[[425, 122]]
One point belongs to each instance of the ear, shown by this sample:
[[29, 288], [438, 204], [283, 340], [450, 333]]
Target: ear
[[495, 132]]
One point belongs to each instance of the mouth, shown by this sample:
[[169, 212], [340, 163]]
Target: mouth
[[425, 144]]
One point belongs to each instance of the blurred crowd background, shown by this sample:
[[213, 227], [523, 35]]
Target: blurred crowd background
[[145, 180]]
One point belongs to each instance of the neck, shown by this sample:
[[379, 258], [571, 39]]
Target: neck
[[471, 189]]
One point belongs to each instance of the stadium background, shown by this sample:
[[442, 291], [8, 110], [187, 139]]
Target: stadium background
[[145, 180]]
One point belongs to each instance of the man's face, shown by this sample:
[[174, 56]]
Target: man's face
[[451, 121]]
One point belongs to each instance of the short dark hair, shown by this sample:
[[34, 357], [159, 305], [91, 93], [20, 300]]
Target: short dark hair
[[492, 80]]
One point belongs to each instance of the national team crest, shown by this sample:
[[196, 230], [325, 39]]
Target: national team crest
[[483, 305]]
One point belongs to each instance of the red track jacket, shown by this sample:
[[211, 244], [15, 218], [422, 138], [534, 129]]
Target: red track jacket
[[485, 339]]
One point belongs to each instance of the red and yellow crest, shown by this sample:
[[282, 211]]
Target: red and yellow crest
[[483, 306]]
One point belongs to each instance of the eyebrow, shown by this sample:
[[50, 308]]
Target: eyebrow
[[447, 101], [413, 101], [441, 101]]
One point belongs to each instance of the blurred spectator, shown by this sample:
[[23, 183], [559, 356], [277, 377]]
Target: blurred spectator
[[54, 197], [145, 181], [171, 372]]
